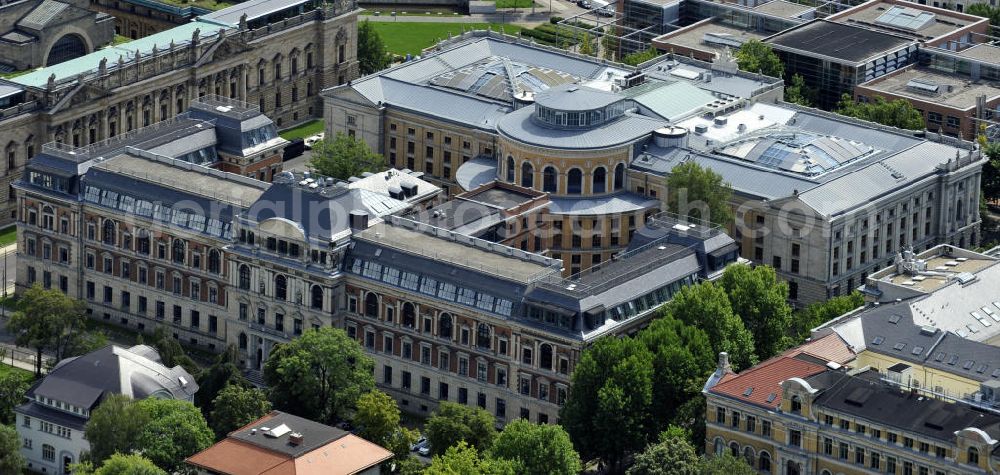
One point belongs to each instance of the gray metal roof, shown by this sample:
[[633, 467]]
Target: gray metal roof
[[476, 172], [41, 15], [624, 202], [253, 9], [573, 97], [520, 125], [442, 103], [84, 380]]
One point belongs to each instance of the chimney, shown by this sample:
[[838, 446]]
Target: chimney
[[724, 362], [359, 219], [409, 189], [295, 438]]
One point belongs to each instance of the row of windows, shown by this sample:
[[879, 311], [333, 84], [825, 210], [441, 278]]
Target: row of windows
[[142, 242], [281, 288], [176, 282], [278, 320], [142, 308], [574, 178]]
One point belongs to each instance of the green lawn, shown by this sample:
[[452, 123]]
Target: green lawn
[[8, 236], [514, 3], [6, 368], [411, 37], [304, 130]]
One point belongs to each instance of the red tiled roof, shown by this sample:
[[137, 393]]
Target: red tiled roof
[[830, 348], [763, 380]]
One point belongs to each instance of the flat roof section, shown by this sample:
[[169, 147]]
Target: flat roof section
[[923, 84], [783, 9], [453, 252], [500, 196], [906, 18], [982, 52], [186, 178], [707, 36], [843, 43]]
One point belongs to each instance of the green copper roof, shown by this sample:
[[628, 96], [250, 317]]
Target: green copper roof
[[127, 51]]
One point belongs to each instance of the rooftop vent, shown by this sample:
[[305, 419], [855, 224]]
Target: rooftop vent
[[295, 438], [277, 431], [409, 189]]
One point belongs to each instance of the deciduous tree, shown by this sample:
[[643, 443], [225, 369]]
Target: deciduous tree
[[756, 56], [47, 320], [760, 299], [464, 459], [120, 464], [820, 312], [377, 419], [896, 113], [13, 385], [223, 372], [607, 413], [11, 460], [453, 423], [372, 53], [797, 92], [237, 406], [706, 306], [344, 156], [673, 456], [697, 192], [725, 464], [537, 449], [319, 375]]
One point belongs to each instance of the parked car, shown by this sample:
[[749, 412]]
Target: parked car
[[606, 11], [420, 443], [584, 4], [425, 450], [293, 149], [312, 139]]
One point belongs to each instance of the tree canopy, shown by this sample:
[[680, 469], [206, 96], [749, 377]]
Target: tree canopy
[[820, 312], [320, 375], [760, 299], [639, 57], [697, 192], [672, 456], [537, 449], [164, 430], [120, 464], [344, 156], [464, 459], [725, 464], [705, 305], [797, 92], [11, 460], [373, 56], [13, 385], [47, 320], [985, 10], [237, 406], [991, 172], [223, 372], [377, 420], [453, 422], [755, 56], [607, 413], [896, 113]]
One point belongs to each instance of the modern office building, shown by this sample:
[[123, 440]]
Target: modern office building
[[280, 443], [834, 57], [51, 423], [931, 26], [275, 54]]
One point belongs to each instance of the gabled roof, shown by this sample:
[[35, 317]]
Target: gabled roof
[[830, 348], [761, 385]]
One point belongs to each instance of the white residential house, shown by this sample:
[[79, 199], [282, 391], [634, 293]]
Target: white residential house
[[51, 422]]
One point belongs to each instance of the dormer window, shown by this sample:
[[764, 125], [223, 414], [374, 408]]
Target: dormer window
[[796, 405]]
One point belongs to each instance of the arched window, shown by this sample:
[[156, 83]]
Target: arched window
[[764, 462], [179, 251], [317, 297], [280, 287], [549, 181], [409, 315], [371, 305], [825, 472], [244, 277], [214, 261], [734, 449], [527, 175], [243, 341], [719, 446], [748, 455], [108, 234], [510, 169], [545, 356], [973, 456], [600, 180], [796, 405], [619, 176], [574, 182], [483, 336], [444, 326]]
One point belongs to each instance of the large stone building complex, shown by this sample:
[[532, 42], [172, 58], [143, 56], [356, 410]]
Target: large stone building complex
[[276, 55], [823, 199], [149, 237], [38, 33]]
